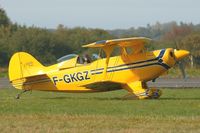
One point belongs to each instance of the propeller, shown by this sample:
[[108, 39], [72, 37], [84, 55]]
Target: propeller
[[178, 55]]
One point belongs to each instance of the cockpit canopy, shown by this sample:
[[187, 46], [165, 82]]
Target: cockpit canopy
[[67, 57]]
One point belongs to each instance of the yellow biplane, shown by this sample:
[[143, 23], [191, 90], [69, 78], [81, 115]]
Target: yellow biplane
[[130, 69]]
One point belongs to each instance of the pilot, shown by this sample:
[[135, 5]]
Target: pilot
[[86, 59], [80, 60]]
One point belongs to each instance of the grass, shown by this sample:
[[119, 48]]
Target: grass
[[178, 110]]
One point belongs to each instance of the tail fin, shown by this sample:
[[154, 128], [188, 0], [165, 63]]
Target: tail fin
[[21, 66]]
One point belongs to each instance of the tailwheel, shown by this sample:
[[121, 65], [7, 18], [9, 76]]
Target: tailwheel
[[19, 94]]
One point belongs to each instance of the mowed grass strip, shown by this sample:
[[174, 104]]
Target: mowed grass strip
[[97, 124], [178, 110]]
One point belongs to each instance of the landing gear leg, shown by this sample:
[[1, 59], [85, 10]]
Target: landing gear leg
[[19, 94], [141, 91]]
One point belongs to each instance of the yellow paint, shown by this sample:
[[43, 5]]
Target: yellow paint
[[131, 69]]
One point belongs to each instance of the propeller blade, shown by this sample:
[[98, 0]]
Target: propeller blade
[[182, 69], [177, 48]]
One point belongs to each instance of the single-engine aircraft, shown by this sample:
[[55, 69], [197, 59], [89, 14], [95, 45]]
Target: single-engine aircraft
[[129, 70]]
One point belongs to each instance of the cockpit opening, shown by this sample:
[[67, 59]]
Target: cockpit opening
[[81, 59]]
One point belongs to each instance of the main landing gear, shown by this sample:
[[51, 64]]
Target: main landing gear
[[140, 90]]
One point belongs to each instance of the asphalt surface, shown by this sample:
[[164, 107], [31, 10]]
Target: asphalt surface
[[175, 83], [4, 83], [159, 83]]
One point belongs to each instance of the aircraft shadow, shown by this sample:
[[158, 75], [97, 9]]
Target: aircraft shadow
[[83, 98], [115, 98]]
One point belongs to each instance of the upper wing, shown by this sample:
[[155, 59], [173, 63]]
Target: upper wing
[[124, 42]]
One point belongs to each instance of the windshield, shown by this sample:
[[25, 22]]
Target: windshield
[[66, 57]]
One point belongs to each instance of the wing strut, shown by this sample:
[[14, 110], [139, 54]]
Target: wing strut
[[108, 50]]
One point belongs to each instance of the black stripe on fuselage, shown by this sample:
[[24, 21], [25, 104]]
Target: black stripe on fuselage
[[134, 67], [164, 65], [97, 69]]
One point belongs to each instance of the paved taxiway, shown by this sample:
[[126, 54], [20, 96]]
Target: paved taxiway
[[160, 83]]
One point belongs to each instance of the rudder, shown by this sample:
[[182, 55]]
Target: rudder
[[23, 65]]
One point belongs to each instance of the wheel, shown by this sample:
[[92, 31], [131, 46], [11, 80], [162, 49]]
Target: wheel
[[17, 96]]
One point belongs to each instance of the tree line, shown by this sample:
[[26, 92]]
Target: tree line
[[47, 45]]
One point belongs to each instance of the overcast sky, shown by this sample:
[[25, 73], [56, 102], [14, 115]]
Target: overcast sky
[[106, 14]]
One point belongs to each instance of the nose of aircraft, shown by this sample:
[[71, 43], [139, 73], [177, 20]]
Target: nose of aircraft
[[179, 54]]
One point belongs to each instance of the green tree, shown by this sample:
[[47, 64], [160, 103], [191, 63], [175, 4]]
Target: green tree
[[192, 43], [5, 33], [4, 20]]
